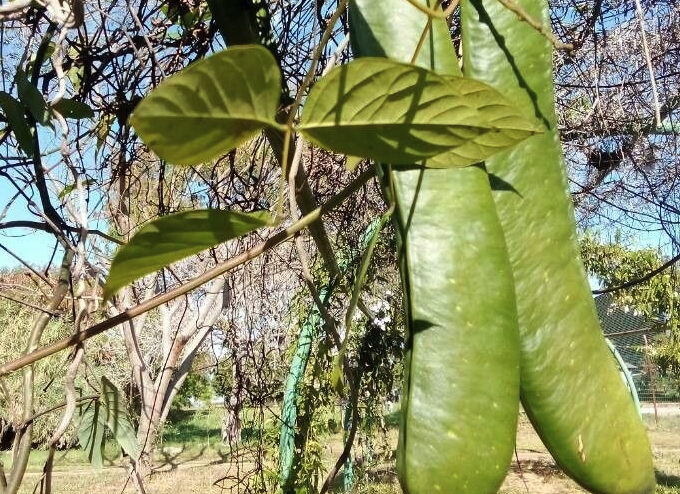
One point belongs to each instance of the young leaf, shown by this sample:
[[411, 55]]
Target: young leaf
[[400, 114], [91, 432], [102, 129], [71, 187], [210, 107], [76, 74], [14, 112], [32, 99], [70, 108], [175, 237], [117, 418]]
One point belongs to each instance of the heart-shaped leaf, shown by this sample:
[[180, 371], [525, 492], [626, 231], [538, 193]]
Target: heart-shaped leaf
[[175, 237], [400, 114], [210, 107]]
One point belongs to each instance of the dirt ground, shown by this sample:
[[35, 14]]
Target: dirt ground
[[532, 472]]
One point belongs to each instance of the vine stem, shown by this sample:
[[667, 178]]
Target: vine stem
[[22, 443], [350, 439], [218, 270], [299, 247], [428, 24], [431, 13], [82, 399], [292, 194], [315, 60]]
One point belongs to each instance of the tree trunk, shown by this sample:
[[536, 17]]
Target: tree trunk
[[141, 467]]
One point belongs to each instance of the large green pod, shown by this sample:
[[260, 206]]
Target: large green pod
[[570, 386], [461, 398]]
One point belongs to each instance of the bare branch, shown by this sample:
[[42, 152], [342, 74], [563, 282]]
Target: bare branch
[[220, 269]]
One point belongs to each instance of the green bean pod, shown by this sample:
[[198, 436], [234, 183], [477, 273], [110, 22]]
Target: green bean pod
[[461, 396], [570, 386]]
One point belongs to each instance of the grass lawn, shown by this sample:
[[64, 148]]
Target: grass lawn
[[193, 459], [189, 436]]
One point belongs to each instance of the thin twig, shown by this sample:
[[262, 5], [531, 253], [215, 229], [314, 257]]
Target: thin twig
[[23, 441], [32, 306], [28, 266], [54, 408], [431, 13], [71, 400], [521, 472], [299, 247], [37, 225], [350, 439], [147, 42], [650, 67], [428, 25], [218, 270], [639, 280], [315, 60]]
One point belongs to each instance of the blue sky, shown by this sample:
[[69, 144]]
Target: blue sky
[[34, 247]]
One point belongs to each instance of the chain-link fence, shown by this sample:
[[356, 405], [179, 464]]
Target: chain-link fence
[[633, 336]]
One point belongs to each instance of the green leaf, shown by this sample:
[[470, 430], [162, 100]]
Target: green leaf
[[400, 114], [46, 57], [32, 99], [175, 237], [76, 75], [509, 124], [352, 162], [189, 19], [91, 432], [210, 107], [109, 411], [117, 418], [102, 130], [71, 187], [14, 112], [70, 108]]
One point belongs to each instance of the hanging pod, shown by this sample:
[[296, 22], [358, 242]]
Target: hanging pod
[[460, 403], [570, 387]]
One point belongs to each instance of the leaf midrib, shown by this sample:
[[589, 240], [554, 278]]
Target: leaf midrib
[[334, 125], [203, 116]]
